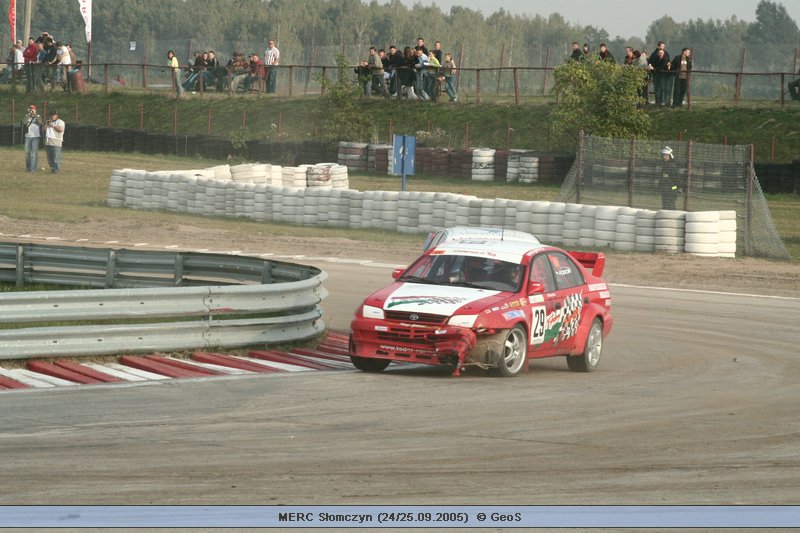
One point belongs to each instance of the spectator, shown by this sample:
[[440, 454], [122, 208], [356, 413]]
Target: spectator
[[272, 58], [395, 62], [364, 77], [630, 59], [64, 66], [604, 54], [198, 67], [406, 74], [376, 71], [793, 86], [587, 52], [53, 139], [640, 61], [437, 51], [19, 61], [8, 72], [30, 56], [449, 68], [40, 67], [432, 76], [238, 68], [32, 132], [421, 46], [682, 67], [51, 61], [175, 70], [421, 67], [660, 67], [256, 73], [577, 54]]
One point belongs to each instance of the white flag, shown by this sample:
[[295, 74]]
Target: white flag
[[86, 11]]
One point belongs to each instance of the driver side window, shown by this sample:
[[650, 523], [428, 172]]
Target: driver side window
[[543, 273]]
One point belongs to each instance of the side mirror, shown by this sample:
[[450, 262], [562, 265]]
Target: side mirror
[[535, 287], [397, 272]]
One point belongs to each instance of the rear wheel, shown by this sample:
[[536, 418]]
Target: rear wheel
[[590, 358], [515, 353], [367, 364]]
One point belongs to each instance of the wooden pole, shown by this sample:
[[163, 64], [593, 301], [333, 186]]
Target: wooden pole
[[175, 120], [478, 85], [141, 116], [208, 127], [108, 116], [516, 86], [546, 68], [500, 70], [748, 219], [466, 136], [632, 171]]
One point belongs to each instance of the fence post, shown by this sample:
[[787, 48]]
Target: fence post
[[280, 124], [783, 84], [632, 171], [546, 69], [478, 85], [141, 116], [77, 112], [391, 131], [108, 116], [322, 81], [772, 149], [244, 119], [748, 204], [500, 70], [689, 89], [105, 79], [516, 86], [291, 79], [208, 128], [579, 176], [738, 93], [175, 120], [466, 136], [688, 186], [144, 79]]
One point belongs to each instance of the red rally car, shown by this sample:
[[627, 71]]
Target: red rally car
[[492, 304]]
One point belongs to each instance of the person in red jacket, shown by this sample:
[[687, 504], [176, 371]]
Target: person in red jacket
[[30, 57]]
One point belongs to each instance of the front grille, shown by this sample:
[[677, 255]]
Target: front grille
[[421, 318], [408, 336]]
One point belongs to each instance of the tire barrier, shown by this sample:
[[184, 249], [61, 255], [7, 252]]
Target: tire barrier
[[482, 164], [317, 195]]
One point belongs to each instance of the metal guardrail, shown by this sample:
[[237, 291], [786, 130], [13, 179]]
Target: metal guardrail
[[191, 300]]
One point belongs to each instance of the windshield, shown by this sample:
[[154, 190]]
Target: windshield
[[465, 271]]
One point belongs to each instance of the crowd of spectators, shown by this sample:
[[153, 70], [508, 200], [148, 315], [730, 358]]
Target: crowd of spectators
[[416, 73], [206, 72], [669, 76], [45, 64]]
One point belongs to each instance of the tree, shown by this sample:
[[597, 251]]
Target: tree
[[338, 110], [598, 97]]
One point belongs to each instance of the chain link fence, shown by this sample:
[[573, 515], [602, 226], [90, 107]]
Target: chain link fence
[[700, 177]]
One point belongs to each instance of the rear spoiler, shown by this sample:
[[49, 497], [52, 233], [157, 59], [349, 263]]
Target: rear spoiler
[[592, 261]]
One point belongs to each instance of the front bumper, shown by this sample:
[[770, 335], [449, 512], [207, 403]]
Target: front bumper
[[426, 344]]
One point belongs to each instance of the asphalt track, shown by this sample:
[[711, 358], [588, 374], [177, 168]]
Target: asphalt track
[[695, 402]]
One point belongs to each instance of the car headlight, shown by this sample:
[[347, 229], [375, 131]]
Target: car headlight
[[373, 312], [464, 321]]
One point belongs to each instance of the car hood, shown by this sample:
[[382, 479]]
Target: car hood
[[434, 299]]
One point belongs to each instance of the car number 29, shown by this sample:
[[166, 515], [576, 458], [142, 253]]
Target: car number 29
[[538, 319]]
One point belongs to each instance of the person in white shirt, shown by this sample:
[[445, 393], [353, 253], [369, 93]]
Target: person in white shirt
[[272, 58], [53, 139], [65, 65]]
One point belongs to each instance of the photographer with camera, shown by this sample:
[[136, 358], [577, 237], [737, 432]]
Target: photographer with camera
[[53, 138], [32, 132]]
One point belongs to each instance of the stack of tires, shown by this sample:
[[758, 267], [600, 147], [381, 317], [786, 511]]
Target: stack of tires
[[116, 188], [571, 232], [555, 222], [482, 164], [383, 158], [645, 230], [528, 167], [353, 155], [703, 233], [605, 225], [625, 229], [670, 229], [440, 162], [373, 158]]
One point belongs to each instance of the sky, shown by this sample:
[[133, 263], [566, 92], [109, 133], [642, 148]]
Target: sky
[[624, 18]]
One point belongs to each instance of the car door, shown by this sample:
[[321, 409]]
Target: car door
[[567, 302], [543, 308]]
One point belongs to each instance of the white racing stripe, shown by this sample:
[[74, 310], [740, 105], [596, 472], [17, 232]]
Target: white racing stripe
[[35, 379], [136, 372], [701, 291], [273, 364], [14, 374], [117, 373], [211, 366]]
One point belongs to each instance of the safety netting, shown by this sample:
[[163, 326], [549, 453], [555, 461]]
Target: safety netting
[[698, 177]]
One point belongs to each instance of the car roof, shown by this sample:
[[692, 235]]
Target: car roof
[[505, 250], [475, 232]]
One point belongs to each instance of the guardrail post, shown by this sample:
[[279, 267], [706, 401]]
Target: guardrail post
[[266, 272], [178, 274], [20, 265], [111, 268]]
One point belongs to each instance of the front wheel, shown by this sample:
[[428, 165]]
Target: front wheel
[[590, 358], [515, 353], [368, 364]]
